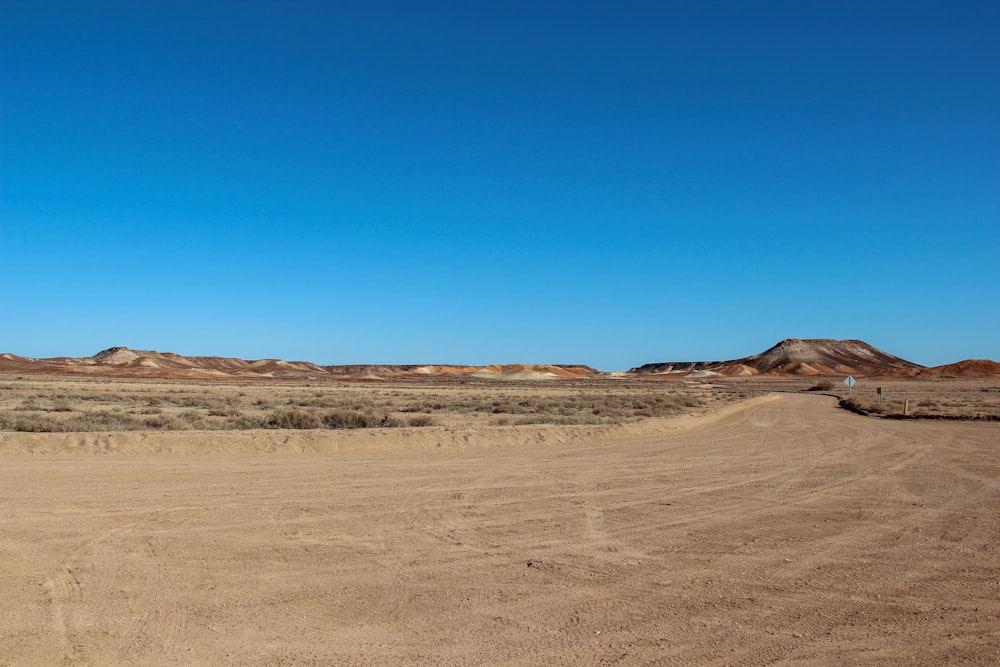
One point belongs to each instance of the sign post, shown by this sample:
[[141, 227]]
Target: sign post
[[850, 382]]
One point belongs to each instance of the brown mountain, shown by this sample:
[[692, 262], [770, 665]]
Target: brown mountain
[[122, 362], [789, 357], [792, 356]]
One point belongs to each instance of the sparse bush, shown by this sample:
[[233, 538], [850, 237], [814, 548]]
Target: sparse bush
[[165, 423], [421, 420], [345, 419], [293, 419], [853, 405], [554, 419], [357, 419], [194, 402], [29, 404], [823, 385], [240, 421], [104, 420], [192, 419], [38, 424]]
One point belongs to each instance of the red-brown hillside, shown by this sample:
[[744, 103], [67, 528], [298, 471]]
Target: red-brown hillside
[[789, 357], [969, 368], [122, 362], [793, 356]]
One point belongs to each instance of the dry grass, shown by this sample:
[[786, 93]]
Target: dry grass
[[45, 404], [952, 398], [40, 404], [946, 399]]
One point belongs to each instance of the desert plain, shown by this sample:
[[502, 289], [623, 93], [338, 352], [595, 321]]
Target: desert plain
[[655, 522]]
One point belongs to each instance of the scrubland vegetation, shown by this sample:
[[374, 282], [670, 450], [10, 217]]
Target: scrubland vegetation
[[46, 405], [31, 404], [954, 399]]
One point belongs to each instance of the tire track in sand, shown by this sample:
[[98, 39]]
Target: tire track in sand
[[112, 601]]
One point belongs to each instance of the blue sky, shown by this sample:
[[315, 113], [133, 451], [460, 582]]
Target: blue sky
[[497, 182]]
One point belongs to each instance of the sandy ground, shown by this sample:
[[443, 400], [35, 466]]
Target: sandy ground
[[782, 531]]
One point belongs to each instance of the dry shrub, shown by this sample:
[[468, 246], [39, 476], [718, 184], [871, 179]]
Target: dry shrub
[[575, 420], [854, 406], [192, 419], [242, 421], [357, 419], [91, 421], [166, 423], [345, 419], [823, 385], [197, 402], [292, 419], [34, 423], [104, 420]]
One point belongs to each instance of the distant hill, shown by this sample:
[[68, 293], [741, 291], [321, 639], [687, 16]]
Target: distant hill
[[793, 356], [122, 362], [970, 368], [790, 357]]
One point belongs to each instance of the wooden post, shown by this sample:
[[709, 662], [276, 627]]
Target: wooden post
[[906, 407]]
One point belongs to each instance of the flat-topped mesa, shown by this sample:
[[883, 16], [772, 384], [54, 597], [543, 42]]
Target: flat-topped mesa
[[796, 356], [677, 367], [116, 355], [826, 355]]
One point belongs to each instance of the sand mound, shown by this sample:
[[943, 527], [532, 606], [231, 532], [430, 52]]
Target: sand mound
[[144, 362], [740, 370], [531, 372]]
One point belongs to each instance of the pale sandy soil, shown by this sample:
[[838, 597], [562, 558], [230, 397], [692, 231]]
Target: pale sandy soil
[[782, 531]]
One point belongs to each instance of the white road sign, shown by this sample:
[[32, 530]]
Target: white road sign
[[850, 381]]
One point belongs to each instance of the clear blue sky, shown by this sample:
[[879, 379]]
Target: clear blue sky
[[494, 182]]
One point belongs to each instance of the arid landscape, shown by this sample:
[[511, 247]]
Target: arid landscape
[[497, 516], [461, 333]]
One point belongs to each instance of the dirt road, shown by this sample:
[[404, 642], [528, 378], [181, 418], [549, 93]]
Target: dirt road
[[785, 531]]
